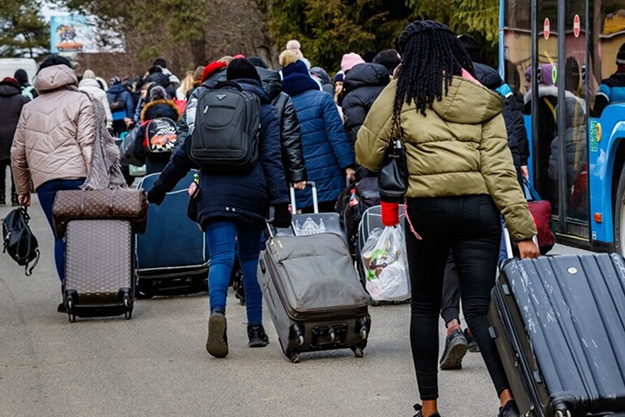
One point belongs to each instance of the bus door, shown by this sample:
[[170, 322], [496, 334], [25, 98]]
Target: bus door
[[559, 112]]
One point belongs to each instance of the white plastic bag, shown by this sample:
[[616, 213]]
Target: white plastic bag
[[386, 265]]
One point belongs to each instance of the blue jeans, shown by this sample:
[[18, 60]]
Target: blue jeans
[[222, 245], [47, 193]]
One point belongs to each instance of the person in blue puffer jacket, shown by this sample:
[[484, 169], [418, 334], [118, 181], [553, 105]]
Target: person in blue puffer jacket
[[235, 205], [328, 155]]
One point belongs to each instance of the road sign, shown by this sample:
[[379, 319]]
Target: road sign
[[546, 28], [576, 26]]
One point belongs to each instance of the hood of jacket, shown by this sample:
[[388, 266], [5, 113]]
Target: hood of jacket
[[55, 77], [488, 76], [271, 81], [215, 78], [8, 90], [254, 87], [117, 89], [160, 79], [296, 83], [468, 103], [89, 82], [366, 75], [160, 108]]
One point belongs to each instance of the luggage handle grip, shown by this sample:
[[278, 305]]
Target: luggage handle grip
[[508, 242], [270, 228], [311, 184]]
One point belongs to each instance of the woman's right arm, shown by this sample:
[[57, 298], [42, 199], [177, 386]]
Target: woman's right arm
[[19, 164], [501, 181], [375, 133]]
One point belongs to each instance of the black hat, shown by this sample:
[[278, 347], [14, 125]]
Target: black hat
[[21, 76], [258, 62], [620, 56], [52, 60], [470, 45], [242, 68], [389, 58]]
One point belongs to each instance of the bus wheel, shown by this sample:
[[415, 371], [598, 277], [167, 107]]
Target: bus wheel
[[619, 216]]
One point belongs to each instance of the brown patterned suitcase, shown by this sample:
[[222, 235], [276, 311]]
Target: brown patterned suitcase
[[120, 204], [99, 268]]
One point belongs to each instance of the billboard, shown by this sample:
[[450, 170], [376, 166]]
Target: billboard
[[77, 33]]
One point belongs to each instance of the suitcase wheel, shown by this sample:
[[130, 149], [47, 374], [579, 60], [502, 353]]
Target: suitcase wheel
[[300, 340], [561, 413], [128, 315], [72, 317], [358, 352], [363, 334], [294, 357], [126, 301]]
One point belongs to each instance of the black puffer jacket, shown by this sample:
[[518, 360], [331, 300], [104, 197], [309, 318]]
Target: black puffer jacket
[[363, 84], [11, 103], [515, 125], [290, 134]]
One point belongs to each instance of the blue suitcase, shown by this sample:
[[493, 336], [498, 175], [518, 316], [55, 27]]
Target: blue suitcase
[[172, 255]]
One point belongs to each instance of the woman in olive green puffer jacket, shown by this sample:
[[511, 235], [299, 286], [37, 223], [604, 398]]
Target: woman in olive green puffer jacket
[[461, 177]]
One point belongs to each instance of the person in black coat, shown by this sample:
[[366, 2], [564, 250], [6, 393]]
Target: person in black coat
[[11, 103], [157, 105], [290, 134], [361, 87], [235, 205]]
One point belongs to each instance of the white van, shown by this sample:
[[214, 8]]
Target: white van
[[8, 66]]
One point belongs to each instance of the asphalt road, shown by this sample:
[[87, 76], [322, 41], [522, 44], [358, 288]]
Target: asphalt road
[[156, 364]]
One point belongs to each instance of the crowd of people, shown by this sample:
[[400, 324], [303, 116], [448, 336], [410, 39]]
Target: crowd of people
[[458, 124]]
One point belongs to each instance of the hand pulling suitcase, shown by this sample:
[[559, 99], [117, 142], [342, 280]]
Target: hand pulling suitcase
[[313, 223], [313, 294], [99, 268], [559, 327], [171, 254]]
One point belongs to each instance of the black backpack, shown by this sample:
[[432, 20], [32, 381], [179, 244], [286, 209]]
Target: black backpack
[[19, 241], [227, 130]]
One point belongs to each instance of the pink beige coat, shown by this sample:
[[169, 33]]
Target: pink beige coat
[[55, 133]]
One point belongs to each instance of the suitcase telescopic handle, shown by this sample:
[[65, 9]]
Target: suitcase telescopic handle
[[508, 242], [311, 184]]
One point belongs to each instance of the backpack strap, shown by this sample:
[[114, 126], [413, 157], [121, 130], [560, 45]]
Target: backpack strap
[[29, 272], [228, 84]]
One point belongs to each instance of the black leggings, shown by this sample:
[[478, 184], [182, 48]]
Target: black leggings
[[470, 226]]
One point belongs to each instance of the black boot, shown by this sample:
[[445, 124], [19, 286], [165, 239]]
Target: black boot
[[257, 336]]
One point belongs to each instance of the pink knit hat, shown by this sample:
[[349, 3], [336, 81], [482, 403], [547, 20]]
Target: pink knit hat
[[350, 60]]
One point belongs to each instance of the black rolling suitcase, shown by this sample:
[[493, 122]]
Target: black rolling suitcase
[[313, 294], [559, 327]]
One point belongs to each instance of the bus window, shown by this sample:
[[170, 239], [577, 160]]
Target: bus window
[[606, 44]]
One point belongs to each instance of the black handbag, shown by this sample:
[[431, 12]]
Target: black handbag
[[19, 241], [393, 175]]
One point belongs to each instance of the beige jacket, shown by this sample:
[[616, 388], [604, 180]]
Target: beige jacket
[[92, 87], [459, 148], [55, 133]]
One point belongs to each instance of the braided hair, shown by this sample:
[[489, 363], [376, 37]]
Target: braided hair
[[431, 55]]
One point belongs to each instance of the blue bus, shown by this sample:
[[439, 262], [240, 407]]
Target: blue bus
[[555, 55]]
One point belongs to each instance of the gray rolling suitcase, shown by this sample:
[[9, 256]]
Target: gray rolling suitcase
[[313, 294], [99, 268]]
